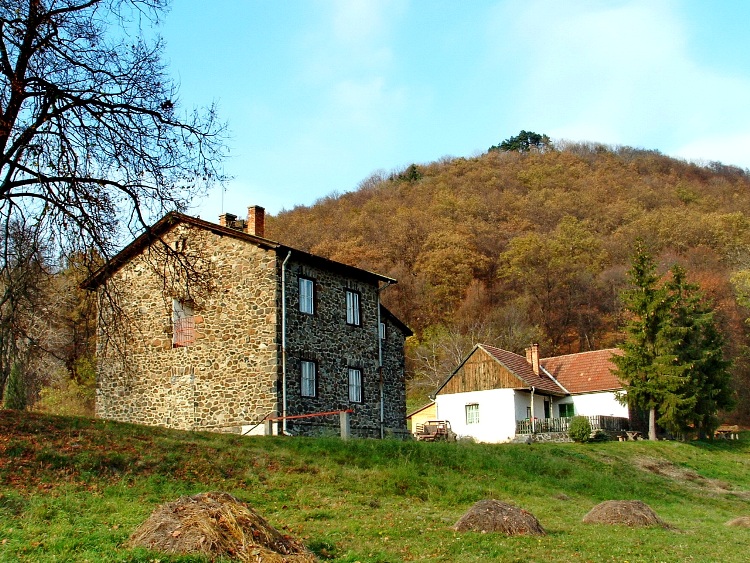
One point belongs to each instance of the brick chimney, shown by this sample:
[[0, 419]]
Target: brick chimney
[[256, 221], [227, 219], [532, 356]]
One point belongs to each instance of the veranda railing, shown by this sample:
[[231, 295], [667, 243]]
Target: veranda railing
[[544, 425]]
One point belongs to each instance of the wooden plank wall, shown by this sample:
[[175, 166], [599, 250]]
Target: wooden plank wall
[[480, 373]]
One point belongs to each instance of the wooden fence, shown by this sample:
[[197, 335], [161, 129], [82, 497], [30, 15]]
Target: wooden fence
[[545, 425]]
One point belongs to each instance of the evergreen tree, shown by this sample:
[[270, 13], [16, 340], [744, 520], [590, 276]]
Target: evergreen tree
[[673, 364], [639, 368], [699, 356], [15, 391]]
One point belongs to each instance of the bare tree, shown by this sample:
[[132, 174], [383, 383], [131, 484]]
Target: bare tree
[[93, 148], [92, 143]]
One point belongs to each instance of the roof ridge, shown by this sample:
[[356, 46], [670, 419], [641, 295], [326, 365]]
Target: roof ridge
[[580, 353]]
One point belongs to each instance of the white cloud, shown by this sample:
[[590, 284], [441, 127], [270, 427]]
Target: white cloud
[[619, 72]]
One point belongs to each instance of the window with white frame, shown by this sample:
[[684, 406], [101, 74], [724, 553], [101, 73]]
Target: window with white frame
[[308, 384], [307, 296], [355, 385], [183, 324], [472, 413], [382, 331], [352, 307]]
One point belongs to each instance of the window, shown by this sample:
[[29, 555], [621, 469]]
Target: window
[[183, 324], [309, 378], [307, 296], [566, 410], [382, 331], [472, 413], [352, 307], [355, 385]]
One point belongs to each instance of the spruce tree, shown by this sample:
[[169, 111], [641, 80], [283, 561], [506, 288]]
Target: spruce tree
[[639, 368], [698, 352], [673, 364]]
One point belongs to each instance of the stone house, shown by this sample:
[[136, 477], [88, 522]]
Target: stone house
[[495, 395], [265, 331]]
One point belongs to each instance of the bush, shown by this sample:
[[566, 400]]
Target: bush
[[15, 390], [580, 429]]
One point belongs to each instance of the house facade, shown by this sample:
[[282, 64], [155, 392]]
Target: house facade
[[495, 393], [269, 333]]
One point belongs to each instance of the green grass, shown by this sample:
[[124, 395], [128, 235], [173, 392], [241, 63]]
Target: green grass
[[74, 489]]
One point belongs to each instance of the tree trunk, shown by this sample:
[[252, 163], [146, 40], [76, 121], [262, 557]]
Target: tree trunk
[[652, 423]]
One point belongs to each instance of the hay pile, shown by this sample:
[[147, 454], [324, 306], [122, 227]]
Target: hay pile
[[217, 524], [741, 522], [628, 512], [495, 516]]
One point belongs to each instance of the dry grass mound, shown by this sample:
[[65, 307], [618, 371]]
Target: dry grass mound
[[741, 522], [217, 524], [495, 516], [628, 512]]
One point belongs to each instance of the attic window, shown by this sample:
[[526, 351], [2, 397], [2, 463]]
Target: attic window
[[180, 245], [183, 324]]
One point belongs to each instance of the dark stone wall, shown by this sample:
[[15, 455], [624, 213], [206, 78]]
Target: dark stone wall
[[325, 338]]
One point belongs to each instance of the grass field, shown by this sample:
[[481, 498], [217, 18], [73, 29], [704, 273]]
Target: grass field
[[74, 489]]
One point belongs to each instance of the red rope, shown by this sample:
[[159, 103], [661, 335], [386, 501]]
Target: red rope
[[309, 415]]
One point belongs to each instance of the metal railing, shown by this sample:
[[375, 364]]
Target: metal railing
[[544, 425]]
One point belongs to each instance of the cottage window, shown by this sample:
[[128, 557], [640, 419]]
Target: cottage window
[[309, 378], [352, 308], [472, 413], [355, 385], [183, 324], [566, 410], [382, 331], [307, 296]]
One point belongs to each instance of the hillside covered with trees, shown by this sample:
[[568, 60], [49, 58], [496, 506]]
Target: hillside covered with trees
[[516, 246]]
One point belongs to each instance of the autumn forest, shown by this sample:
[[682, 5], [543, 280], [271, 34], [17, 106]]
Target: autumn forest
[[512, 247]]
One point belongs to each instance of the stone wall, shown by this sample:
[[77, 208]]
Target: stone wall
[[228, 376], [326, 338]]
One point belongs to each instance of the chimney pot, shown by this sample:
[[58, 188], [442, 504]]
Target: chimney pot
[[226, 219], [256, 221]]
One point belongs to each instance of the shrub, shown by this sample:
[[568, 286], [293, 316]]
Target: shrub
[[15, 390], [580, 429]]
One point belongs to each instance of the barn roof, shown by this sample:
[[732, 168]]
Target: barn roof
[[585, 372]]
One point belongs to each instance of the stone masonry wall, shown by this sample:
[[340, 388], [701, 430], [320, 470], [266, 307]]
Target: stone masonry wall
[[228, 377], [335, 346]]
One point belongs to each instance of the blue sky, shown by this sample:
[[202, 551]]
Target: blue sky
[[319, 94]]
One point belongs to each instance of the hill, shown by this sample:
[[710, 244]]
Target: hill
[[74, 489], [510, 247]]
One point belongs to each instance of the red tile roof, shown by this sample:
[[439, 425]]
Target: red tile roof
[[522, 369], [584, 372]]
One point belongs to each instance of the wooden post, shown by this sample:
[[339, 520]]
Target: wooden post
[[345, 425]]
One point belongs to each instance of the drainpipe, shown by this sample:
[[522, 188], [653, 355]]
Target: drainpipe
[[283, 342], [533, 426]]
